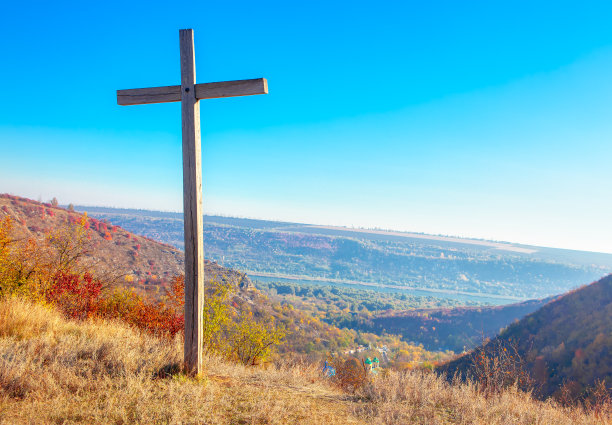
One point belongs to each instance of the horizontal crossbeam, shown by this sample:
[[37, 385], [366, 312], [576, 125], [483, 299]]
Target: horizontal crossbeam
[[202, 91]]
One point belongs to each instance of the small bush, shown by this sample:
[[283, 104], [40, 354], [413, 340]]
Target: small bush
[[351, 374], [599, 400], [497, 366]]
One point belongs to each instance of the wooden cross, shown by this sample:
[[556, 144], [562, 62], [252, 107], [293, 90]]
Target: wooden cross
[[189, 93]]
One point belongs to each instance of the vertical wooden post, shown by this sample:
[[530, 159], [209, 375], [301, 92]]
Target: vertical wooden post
[[192, 177], [192, 207]]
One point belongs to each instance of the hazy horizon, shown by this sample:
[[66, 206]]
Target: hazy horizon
[[211, 214]]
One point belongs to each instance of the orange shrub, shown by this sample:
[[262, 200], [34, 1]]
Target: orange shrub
[[351, 374], [154, 317]]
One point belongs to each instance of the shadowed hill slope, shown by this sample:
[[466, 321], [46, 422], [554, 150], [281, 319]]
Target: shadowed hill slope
[[569, 340]]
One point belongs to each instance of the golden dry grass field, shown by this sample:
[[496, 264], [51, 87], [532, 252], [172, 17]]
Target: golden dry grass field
[[56, 371]]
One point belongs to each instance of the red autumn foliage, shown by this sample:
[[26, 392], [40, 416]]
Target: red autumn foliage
[[157, 319], [176, 293], [77, 296], [81, 297]]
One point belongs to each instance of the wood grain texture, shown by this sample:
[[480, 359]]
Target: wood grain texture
[[149, 95], [232, 88], [192, 204], [203, 91]]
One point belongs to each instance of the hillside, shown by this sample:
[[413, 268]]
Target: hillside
[[124, 259], [415, 264], [58, 371], [146, 265], [568, 340]]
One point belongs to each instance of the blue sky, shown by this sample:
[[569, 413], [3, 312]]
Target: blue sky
[[476, 119]]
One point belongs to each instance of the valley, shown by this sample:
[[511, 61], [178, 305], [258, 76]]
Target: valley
[[555, 347]]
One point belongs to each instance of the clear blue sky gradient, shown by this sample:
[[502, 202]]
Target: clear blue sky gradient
[[476, 119]]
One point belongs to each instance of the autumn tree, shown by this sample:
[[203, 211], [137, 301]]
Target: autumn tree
[[69, 245], [235, 335], [253, 341], [23, 262]]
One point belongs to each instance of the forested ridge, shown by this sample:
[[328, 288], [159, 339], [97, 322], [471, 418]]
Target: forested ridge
[[566, 345]]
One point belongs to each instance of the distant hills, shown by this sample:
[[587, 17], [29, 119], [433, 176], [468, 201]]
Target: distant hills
[[463, 269], [567, 341]]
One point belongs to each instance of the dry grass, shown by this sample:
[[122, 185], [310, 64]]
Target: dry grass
[[54, 371], [62, 372], [421, 397]]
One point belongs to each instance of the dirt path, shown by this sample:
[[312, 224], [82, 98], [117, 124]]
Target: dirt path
[[318, 404]]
